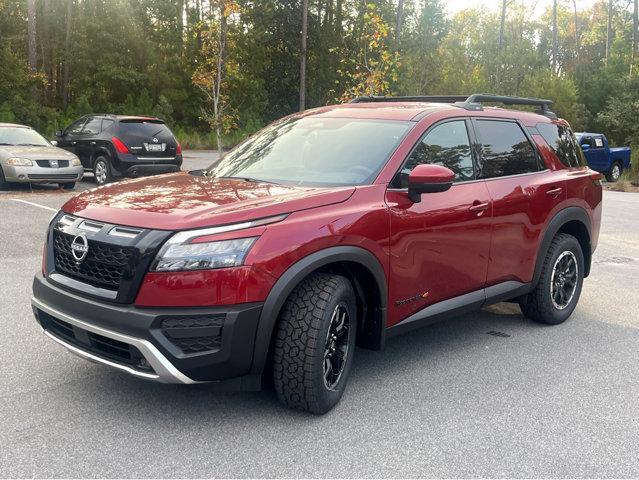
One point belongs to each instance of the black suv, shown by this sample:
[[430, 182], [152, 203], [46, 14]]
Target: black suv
[[114, 146]]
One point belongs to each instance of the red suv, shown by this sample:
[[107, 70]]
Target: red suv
[[335, 227]]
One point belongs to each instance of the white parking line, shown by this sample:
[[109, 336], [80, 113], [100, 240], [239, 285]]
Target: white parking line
[[34, 204]]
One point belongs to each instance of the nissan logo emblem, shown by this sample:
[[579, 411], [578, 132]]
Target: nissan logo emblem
[[79, 247], [155, 140]]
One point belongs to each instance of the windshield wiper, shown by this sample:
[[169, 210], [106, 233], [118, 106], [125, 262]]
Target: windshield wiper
[[9, 144], [30, 145], [252, 180]]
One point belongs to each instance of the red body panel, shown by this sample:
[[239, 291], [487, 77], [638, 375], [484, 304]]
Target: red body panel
[[430, 251]]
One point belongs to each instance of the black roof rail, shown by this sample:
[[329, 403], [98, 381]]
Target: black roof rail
[[418, 98], [468, 102]]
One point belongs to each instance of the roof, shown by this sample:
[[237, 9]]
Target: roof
[[415, 111], [588, 133], [14, 125], [123, 117], [402, 111]]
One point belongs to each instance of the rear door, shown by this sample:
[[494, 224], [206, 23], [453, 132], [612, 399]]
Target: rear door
[[149, 139], [523, 193], [439, 246]]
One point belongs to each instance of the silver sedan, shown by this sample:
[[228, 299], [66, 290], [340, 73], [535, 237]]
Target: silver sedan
[[27, 157]]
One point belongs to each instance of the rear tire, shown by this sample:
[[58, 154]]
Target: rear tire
[[613, 174], [556, 294], [315, 343], [4, 185], [67, 186], [102, 171]]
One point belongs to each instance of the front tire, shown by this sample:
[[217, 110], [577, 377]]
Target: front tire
[[556, 294], [315, 343], [102, 171], [614, 173]]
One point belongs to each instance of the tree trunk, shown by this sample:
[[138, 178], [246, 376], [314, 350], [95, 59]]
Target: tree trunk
[[400, 21], [609, 32], [31, 35], [339, 19], [554, 36], [635, 35], [67, 55], [303, 56], [217, 106], [502, 25], [577, 46]]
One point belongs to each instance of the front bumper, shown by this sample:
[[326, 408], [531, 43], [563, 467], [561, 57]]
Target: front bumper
[[36, 174], [138, 341]]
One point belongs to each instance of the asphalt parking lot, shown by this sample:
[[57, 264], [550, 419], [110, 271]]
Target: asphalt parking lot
[[448, 400]]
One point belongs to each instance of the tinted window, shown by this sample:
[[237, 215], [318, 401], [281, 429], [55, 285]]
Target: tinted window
[[76, 127], [106, 124], [505, 149], [315, 151], [447, 145], [92, 127], [563, 143], [144, 129], [586, 141]]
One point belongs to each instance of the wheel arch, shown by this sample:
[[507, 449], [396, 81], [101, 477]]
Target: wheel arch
[[573, 221], [362, 269]]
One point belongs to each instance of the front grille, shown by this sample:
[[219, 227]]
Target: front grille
[[52, 176], [194, 333], [47, 163], [104, 266], [99, 345]]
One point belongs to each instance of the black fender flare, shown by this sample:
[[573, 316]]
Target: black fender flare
[[562, 217], [294, 275]]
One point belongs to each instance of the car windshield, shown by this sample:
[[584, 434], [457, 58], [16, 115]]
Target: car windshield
[[21, 136], [314, 151]]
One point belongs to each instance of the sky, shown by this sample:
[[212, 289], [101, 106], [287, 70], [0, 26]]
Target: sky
[[454, 6]]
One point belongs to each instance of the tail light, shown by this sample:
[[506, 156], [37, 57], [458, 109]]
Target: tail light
[[119, 145], [178, 149]]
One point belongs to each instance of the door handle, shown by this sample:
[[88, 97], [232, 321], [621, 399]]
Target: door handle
[[478, 207], [73, 143], [554, 192], [92, 143]]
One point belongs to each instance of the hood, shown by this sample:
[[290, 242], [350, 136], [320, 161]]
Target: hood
[[181, 201], [35, 153]]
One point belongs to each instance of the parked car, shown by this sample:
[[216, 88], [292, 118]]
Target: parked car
[[611, 161], [115, 146], [336, 227], [27, 157]]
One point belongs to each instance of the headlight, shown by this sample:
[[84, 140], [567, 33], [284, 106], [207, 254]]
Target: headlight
[[199, 256], [76, 162], [19, 162]]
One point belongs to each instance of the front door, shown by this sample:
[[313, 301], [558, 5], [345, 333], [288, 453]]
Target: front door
[[439, 246], [69, 139]]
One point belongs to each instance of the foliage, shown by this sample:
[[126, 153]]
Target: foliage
[[159, 57]]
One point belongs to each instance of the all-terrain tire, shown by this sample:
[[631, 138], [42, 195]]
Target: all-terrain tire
[[538, 305], [302, 342]]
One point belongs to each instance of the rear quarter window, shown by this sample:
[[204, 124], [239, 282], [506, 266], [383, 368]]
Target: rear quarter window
[[563, 142]]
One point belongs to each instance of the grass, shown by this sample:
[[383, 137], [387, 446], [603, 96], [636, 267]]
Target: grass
[[629, 180]]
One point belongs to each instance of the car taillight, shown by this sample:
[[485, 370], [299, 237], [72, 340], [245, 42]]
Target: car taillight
[[119, 145], [178, 149]]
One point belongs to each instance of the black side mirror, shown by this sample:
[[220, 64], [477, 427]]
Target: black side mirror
[[59, 133]]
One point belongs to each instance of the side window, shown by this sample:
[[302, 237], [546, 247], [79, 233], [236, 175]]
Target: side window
[[76, 127], [106, 124], [505, 150], [562, 141], [92, 126], [587, 141], [447, 145]]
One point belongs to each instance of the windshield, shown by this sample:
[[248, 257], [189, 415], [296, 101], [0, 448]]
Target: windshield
[[314, 151], [21, 136]]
